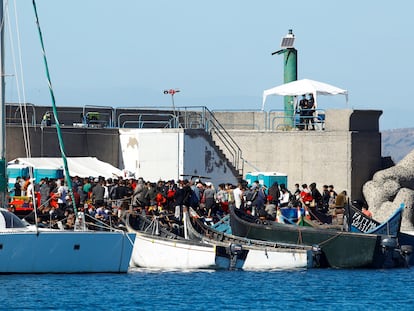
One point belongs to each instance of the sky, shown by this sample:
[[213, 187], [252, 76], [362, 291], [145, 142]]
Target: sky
[[125, 53]]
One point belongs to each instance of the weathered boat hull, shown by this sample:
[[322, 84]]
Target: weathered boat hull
[[339, 249], [161, 253], [156, 247], [65, 252], [261, 258], [238, 253]]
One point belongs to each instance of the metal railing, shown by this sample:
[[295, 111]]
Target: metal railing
[[307, 119], [192, 117]]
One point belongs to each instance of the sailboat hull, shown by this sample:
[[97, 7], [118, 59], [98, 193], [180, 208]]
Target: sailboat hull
[[65, 252]]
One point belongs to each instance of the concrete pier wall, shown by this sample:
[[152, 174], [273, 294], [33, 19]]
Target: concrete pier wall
[[79, 142], [346, 153]]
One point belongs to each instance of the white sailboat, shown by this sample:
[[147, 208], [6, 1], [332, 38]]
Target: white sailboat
[[29, 249]]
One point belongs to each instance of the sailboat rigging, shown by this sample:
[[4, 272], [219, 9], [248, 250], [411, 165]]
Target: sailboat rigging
[[55, 114], [29, 249]]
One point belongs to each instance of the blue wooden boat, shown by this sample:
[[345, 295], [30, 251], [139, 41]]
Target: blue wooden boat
[[356, 221]]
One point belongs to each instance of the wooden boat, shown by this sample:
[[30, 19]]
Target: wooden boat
[[158, 248], [339, 249], [356, 221], [359, 222], [241, 253]]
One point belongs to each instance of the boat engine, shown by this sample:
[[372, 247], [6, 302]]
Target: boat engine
[[406, 251], [235, 250], [316, 254], [394, 254]]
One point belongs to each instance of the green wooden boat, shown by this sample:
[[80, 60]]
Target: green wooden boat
[[340, 249]]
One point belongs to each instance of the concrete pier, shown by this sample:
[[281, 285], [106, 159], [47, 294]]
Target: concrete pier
[[345, 153]]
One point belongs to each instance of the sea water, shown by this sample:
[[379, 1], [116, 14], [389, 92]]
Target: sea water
[[316, 289]]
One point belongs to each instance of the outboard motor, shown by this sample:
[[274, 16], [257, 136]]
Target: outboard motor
[[395, 255], [316, 255], [389, 242], [235, 250], [405, 252]]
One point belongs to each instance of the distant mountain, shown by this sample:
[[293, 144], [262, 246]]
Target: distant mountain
[[397, 143]]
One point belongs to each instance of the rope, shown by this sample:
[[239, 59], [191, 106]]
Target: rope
[[300, 238], [331, 238], [23, 108]]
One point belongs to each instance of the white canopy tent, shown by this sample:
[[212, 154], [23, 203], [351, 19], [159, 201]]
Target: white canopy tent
[[304, 86], [78, 166]]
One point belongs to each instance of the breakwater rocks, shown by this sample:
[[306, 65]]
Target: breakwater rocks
[[391, 187]]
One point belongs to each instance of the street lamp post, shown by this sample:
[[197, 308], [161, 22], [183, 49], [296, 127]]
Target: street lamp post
[[172, 92]]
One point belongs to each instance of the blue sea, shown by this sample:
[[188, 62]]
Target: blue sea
[[317, 289]]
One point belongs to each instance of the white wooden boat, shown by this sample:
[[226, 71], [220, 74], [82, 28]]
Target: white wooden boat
[[157, 248], [235, 252], [161, 253]]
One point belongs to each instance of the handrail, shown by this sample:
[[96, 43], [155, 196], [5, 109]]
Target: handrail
[[170, 121], [111, 116], [226, 139], [33, 121]]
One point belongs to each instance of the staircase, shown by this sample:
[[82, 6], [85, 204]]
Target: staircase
[[203, 118]]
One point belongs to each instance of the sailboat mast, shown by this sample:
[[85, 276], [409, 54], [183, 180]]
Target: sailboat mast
[[3, 175], [55, 114]]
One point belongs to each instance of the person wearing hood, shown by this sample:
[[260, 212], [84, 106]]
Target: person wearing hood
[[139, 194], [274, 193]]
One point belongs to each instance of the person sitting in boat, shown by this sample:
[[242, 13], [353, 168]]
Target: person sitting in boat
[[222, 199], [325, 198], [44, 190], [284, 198], [332, 192], [274, 192], [249, 195], [102, 214], [98, 193], [18, 187], [238, 194], [305, 196], [210, 199], [230, 196], [271, 210], [139, 194], [340, 202], [366, 212], [61, 194], [316, 195], [260, 200], [182, 198]]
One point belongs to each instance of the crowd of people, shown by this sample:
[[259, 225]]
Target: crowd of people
[[107, 200]]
